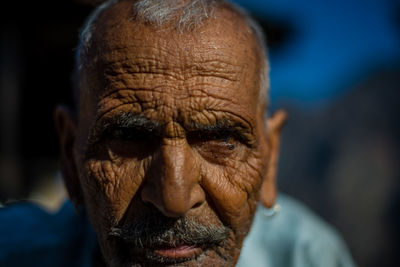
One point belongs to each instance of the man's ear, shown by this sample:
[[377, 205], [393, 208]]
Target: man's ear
[[66, 128], [274, 125]]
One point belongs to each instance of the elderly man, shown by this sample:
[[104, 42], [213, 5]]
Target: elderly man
[[169, 151]]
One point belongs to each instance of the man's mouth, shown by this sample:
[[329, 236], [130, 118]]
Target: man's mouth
[[165, 240], [169, 254], [180, 252]]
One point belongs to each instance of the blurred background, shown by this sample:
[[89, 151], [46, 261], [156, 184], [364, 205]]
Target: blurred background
[[335, 67]]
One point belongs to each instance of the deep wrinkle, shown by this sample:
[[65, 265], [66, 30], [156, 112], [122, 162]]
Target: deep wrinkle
[[215, 130], [202, 170]]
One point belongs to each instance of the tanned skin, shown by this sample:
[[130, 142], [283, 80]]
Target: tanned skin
[[169, 136]]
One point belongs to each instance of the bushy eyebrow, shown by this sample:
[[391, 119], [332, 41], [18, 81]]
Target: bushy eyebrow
[[217, 129], [124, 120]]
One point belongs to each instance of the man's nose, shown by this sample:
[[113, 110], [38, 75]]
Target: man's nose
[[172, 181]]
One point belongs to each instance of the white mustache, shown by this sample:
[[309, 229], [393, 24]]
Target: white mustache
[[157, 231]]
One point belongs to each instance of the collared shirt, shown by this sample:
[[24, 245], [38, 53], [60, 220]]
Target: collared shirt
[[294, 237]]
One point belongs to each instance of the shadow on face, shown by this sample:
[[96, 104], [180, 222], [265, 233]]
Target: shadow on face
[[169, 151]]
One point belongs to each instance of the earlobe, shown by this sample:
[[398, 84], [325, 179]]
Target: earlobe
[[66, 129], [274, 127]]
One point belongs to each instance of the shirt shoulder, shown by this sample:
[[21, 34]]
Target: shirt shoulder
[[294, 237], [31, 236]]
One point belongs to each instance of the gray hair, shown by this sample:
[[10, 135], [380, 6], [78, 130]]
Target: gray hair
[[188, 15]]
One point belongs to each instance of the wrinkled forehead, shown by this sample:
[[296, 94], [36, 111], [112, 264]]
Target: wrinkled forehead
[[222, 46]]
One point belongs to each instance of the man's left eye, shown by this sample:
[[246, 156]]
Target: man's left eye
[[215, 148], [229, 142]]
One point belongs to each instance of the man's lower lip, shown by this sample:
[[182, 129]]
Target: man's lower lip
[[184, 251]]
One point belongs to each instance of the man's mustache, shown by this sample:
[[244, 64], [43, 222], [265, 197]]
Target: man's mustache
[[157, 231]]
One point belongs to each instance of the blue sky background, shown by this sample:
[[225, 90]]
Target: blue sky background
[[333, 44]]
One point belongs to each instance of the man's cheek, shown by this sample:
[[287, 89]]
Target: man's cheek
[[232, 190], [111, 186], [254, 172]]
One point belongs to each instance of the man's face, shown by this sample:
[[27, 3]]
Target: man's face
[[170, 150]]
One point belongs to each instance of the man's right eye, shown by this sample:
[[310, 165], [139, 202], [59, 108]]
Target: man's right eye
[[123, 134], [130, 134], [131, 142]]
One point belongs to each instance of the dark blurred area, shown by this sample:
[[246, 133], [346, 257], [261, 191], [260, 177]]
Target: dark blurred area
[[37, 46], [340, 156], [342, 160]]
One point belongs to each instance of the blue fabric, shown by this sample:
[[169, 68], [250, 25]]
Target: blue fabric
[[294, 237], [29, 236]]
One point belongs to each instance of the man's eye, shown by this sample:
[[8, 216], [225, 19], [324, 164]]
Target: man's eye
[[217, 149], [221, 144], [214, 141], [214, 145], [229, 142], [131, 142], [128, 134]]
